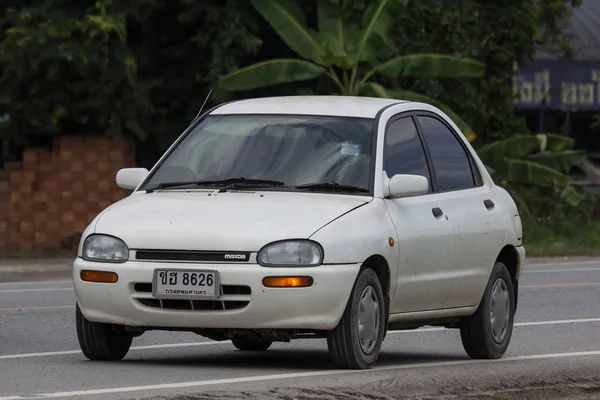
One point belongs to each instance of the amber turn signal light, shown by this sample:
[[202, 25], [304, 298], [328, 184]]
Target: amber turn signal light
[[287, 281], [99, 276]]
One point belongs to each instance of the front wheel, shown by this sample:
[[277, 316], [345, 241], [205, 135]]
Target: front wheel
[[487, 333], [101, 342], [356, 342]]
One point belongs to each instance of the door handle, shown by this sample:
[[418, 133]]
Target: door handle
[[437, 212], [488, 203]]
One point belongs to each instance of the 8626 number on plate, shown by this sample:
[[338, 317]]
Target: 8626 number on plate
[[185, 283]]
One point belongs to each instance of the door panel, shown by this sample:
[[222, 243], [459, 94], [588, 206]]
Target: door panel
[[425, 235], [426, 245], [479, 233]]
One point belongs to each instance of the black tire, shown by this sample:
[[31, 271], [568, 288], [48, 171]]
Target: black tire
[[101, 342], [246, 344], [476, 331], [344, 343]]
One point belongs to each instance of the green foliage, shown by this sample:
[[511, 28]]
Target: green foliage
[[144, 67], [139, 66], [540, 161], [58, 62], [347, 53], [554, 17], [559, 230], [499, 33]]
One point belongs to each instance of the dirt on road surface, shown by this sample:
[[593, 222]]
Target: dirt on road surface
[[588, 388], [567, 392]]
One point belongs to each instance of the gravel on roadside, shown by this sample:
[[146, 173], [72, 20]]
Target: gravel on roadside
[[574, 391], [498, 382]]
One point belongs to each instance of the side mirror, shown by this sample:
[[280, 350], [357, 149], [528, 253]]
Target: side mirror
[[401, 185], [130, 178]]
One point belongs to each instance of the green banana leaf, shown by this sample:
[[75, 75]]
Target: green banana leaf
[[270, 73], [430, 65], [376, 90], [572, 195], [529, 172], [518, 146], [377, 20], [333, 52], [522, 159], [562, 161], [288, 20], [554, 143], [371, 50], [330, 21]]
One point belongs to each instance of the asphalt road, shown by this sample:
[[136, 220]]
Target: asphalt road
[[554, 353]]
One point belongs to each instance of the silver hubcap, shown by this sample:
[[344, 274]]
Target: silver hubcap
[[368, 320], [499, 310]]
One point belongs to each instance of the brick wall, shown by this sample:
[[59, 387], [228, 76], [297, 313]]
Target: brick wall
[[47, 200]]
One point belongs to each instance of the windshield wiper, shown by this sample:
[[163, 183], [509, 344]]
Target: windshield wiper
[[332, 186], [230, 182], [235, 183]]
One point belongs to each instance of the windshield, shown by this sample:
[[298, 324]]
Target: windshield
[[292, 150]]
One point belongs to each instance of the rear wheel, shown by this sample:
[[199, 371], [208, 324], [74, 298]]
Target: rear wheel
[[487, 333], [246, 344], [356, 342], [101, 342]]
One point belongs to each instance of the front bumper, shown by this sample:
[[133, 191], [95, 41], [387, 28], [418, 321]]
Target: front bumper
[[521, 255], [245, 304]]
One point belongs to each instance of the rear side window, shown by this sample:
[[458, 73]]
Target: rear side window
[[449, 158], [403, 152]]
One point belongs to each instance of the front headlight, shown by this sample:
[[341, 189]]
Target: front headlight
[[291, 253], [105, 248]]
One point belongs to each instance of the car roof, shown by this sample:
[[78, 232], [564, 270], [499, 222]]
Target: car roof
[[347, 106]]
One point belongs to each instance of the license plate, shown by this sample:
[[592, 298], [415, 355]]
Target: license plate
[[187, 284]]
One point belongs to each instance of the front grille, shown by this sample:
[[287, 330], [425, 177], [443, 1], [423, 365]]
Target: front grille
[[143, 287], [195, 305], [192, 256], [229, 303]]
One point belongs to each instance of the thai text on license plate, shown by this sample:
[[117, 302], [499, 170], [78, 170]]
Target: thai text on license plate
[[177, 283]]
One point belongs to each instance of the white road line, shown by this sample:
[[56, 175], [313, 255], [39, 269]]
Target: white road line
[[294, 375], [29, 283], [192, 344], [558, 322], [562, 264], [545, 271], [36, 290], [150, 347], [532, 323]]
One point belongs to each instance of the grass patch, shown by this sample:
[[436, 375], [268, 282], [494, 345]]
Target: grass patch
[[572, 238]]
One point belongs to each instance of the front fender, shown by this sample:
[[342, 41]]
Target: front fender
[[358, 235]]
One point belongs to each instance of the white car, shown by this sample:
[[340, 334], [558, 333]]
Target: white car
[[279, 218]]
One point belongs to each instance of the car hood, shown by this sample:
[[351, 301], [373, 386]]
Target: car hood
[[229, 221]]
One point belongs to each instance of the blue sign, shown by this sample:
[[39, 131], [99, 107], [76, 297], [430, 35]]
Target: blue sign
[[558, 84]]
